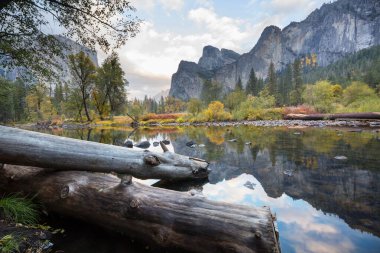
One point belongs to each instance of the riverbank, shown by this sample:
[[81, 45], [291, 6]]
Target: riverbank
[[284, 123], [258, 123]]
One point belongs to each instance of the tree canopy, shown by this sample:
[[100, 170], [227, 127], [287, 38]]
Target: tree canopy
[[23, 24]]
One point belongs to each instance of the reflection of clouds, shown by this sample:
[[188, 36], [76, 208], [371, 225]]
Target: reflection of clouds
[[301, 226]]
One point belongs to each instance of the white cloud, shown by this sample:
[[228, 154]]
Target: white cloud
[[156, 54], [169, 5], [174, 5], [157, 51]]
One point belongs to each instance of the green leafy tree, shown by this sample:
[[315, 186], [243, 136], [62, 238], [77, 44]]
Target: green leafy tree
[[234, 99], [83, 71], [211, 91], [357, 91], [109, 93], [194, 106], [24, 40], [323, 96]]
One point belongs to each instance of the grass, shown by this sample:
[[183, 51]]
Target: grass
[[18, 209], [8, 244]]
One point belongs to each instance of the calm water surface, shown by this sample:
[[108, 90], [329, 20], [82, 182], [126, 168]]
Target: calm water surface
[[322, 204]]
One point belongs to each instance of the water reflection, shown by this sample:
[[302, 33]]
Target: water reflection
[[322, 204]]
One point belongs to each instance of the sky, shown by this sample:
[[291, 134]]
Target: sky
[[175, 30]]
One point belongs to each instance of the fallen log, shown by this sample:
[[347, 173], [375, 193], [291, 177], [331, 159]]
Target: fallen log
[[174, 220], [22, 147], [320, 116]]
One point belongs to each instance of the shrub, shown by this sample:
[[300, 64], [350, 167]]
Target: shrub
[[163, 116], [194, 106], [215, 112], [357, 91], [266, 114], [264, 100], [371, 104], [322, 96]]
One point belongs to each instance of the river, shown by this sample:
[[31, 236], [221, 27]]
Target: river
[[323, 184]]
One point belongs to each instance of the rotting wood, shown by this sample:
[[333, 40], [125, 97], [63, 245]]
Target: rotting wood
[[22, 147], [364, 115], [167, 218]]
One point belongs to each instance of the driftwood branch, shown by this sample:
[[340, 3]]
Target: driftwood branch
[[364, 115], [178, 220], [21, 147]]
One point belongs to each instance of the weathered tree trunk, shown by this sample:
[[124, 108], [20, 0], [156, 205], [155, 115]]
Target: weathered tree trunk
[[365, 115], [29, 148], [167, 218]]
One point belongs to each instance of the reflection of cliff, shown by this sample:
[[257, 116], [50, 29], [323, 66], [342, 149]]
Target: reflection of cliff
[[286, 165], [349, 192], [298, 162]]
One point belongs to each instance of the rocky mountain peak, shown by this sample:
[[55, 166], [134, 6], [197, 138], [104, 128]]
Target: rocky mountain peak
[[213, 58], [330, 32]]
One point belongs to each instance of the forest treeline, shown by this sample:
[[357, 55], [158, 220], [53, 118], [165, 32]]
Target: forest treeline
[[348, 85]]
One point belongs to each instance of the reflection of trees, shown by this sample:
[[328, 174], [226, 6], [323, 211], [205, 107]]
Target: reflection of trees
[[215, 135], [349, 188]]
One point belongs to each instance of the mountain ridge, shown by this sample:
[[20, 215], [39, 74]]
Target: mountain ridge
[[330, 32]]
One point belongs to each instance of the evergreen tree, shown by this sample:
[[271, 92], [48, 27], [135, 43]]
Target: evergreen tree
[[239, 85], [272, 81], [287, 84], [297, 79], [58, 97], [210, 91], [252, 87], [161, 105]]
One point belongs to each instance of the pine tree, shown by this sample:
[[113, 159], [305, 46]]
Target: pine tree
[[252, 87], [239, 85], [272, 82], [288, 84], [297, 79]]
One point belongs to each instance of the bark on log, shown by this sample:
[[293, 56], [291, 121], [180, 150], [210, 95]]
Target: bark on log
[[364, 115], [167, 218], [21, 147]]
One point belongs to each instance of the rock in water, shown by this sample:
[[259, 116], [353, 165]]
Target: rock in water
[[128, 144], [143, 144], [166, 142], [340, 157], [191, 144], [201, 145], [156, 143], [288, 172], [232, 140]]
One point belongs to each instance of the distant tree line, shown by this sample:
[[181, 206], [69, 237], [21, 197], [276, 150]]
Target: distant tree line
[[92, 92]]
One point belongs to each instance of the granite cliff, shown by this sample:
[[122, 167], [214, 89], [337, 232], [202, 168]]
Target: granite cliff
[[330, 32]]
